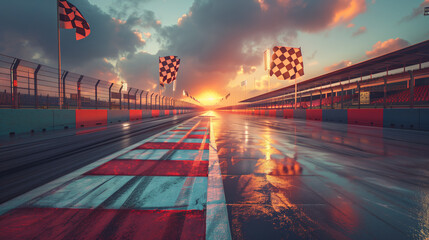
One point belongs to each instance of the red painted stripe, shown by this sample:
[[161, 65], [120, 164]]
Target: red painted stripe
[[198, 136], [135, 114], [369, 117], [90, 118], [55, 223], [187, 130], [314, 114], [152, 168], [288, 113], [155, 113], [172, 145]]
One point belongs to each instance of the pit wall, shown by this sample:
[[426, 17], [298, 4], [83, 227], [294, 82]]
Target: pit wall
[[38, 120], [417, 119]]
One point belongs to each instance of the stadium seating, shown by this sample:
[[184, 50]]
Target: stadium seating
[[421, 94]]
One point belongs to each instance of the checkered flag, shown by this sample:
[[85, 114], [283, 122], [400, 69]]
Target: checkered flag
[[70, 18], [287, 63], [168, 68]]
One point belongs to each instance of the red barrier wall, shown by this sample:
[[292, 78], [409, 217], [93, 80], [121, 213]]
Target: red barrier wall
[[135, 115], [288, 113], [155, 113], [174, 112], [368, 117], [272, 113], [314, 114], [166, 112], [90, 118]]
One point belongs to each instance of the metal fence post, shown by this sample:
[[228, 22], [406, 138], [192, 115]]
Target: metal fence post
[[63, 77], [141, 99], [412, 83], [129, 90], [320, 99], [151, 100], [342, 96], [78, 92], [120, 97], [163, 107], [135, 99], [14, 83], [156, 99], [36, 99], [384, 92], [358, 87], [332, 98], [96, 94], [110, 95]]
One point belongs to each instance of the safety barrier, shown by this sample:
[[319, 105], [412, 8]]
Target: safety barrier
[[14, 121], [417, 119]]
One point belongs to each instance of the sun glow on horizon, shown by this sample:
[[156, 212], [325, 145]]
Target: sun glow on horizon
[[209, 98]]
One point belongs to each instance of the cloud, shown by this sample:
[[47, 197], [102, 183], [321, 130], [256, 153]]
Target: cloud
[[214, 40], [350, 25], [360, 31], [416, 12], [387, 46], [221, 36], [140, 70], [339, 65], [33, 32]]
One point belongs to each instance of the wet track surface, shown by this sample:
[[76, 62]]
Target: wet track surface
[[28, 161], [295, 179], [219, 177]]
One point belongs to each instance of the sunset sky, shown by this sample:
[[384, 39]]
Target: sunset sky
[[220, 42]]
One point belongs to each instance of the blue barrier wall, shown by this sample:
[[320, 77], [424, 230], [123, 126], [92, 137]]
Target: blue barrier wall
[[401, 118], [114, 116], [300, 114], [334, 115], [64, 119], [424, 119], [37, 120]]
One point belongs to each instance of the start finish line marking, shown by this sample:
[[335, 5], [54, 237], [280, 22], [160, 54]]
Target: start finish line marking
[[217, 224]]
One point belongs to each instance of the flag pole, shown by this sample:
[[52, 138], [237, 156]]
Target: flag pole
[[295, 92], [60, 100]]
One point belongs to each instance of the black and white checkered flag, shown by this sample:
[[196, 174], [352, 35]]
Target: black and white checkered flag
[[168, 68], [70, 18], [287, 63]]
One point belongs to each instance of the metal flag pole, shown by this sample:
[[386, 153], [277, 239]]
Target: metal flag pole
[[295, 92], [60, 97]]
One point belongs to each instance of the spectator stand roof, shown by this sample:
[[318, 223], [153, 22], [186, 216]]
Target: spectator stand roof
[[412, 55]]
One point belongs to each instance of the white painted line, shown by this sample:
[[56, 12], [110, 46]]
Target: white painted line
[[22, 199], [217, 224]]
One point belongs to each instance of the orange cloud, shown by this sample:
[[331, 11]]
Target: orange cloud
[[119, 21], [263, 5], [350, 25], [140, 36], [339, 65], [387, 46], [347, 10]]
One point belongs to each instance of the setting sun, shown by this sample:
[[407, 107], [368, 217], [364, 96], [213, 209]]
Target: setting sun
[[209, 98]]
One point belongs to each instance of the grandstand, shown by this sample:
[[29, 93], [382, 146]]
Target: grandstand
[[399, 79]]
